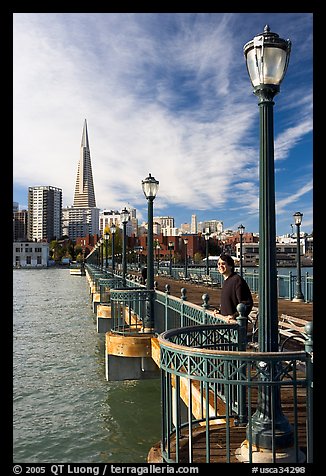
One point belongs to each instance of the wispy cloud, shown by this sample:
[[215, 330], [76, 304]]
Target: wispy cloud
[[162, 93]]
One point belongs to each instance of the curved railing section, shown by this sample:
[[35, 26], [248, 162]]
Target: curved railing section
[[210, 391]]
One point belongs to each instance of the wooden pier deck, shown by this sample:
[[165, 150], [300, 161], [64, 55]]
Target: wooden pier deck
[[301, 310]]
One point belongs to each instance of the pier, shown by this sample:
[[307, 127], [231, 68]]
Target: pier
[[212, 373]]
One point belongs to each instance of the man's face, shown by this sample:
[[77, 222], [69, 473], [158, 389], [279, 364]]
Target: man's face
[[223, 267]]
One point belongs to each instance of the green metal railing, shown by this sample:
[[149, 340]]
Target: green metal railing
[[204, 358], [105, 286], [128, 309]]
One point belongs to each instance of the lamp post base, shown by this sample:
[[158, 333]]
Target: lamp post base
[[263, 455]]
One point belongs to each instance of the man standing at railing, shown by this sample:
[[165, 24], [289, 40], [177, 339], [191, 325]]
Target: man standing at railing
[[235, 290]]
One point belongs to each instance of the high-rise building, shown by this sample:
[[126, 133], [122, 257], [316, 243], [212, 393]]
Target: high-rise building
[[193, 224], [44, 213], [84, 189], [20, 225], [82, 218]]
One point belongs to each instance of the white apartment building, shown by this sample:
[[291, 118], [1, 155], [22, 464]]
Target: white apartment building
[[44, 213], [78, 221], [109, 217]]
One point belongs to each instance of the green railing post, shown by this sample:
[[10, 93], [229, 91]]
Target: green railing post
[[205, 306], [242, 345], [167, 292], [309, 350]]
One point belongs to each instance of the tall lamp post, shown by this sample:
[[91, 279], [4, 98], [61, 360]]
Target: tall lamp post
[[186, 257], [298, 295], [267, 57], [124, 217], [150, 188], [106, 236], [207, 262], [158, 255], [101, 245], [170, 246], [113, 229], [241, 229]]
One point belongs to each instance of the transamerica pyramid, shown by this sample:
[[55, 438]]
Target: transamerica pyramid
[[84, 189]]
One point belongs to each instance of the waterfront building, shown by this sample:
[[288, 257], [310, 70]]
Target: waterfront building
[[44, 213], [30, 254], [285, 253]]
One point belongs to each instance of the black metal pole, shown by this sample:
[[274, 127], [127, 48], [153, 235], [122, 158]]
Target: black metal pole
[[106, 253], [124, 256], [241, 269], [207, 264], [186, 262], [298, 295], [113, 260], [101, 255], [269, 425], [149, 318]]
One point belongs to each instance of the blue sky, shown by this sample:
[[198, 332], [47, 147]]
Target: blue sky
[[166, 94]]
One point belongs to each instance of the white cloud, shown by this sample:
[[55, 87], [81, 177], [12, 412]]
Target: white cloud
[[169, 101]]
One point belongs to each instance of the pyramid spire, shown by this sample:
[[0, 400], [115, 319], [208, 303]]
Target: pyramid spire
[[84, 189], [84, 141]]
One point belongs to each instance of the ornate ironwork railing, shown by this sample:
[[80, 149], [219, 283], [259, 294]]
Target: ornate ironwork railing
[[128, 309], [172, 312], [210, 391], [105, 285]]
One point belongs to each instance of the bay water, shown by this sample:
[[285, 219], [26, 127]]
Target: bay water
[[64, 410]]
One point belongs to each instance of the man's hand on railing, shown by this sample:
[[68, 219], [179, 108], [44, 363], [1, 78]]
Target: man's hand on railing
[[230, 319]]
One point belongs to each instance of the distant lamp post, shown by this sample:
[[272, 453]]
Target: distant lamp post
[[106, 236], [186, 257], [113, 229], [298, 295], [207, 261], [241, 229], [124, 218], [150, 188], [101, 250], [267, 57], [158, 255], [170, 247]]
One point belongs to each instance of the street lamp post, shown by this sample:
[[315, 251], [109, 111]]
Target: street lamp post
[[124, 217], [101, 250], [158, 255], [150, 188], [241, 229], [106, 236], [170, 246], [186, 257], [298, 295], [267, 58], [113, 229], [207, 262]]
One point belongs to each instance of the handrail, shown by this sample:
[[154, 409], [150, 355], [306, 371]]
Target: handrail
[[229, 381]]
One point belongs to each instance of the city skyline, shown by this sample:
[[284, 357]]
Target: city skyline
[[166, 94]]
